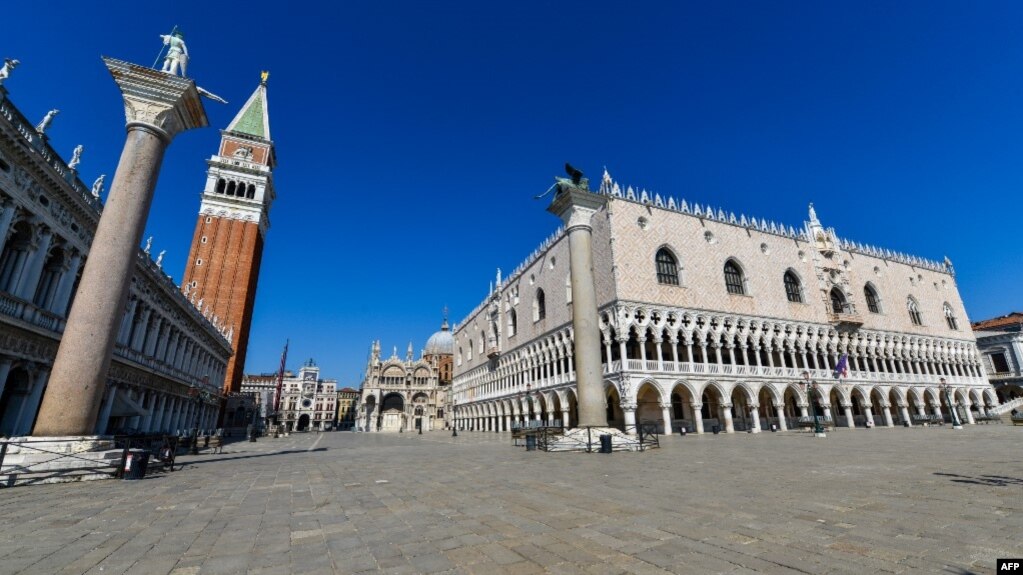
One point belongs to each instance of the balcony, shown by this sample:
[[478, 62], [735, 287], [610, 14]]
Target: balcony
[[493, 352], [845, 316]]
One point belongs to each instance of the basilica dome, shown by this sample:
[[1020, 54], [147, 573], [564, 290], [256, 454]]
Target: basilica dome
[[441, 343]]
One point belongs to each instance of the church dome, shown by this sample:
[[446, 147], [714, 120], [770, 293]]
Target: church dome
[[441, 343]]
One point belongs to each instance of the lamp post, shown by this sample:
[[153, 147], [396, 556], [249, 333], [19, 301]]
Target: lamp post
[[454, 422], [197, 397], [810, 386], [956, 424]]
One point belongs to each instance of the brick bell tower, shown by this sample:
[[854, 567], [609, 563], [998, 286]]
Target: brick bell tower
[[223, 265]]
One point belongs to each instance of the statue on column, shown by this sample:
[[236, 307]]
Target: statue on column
[[44, 124], [97, 186], [76, 157], [177, 53], [7, 68]]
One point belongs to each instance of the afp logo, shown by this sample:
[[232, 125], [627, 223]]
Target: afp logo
[[1010, 566]]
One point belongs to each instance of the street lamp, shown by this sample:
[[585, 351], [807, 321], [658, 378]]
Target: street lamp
[[956, 424], [810, 386], [197, 396], [454, 422]]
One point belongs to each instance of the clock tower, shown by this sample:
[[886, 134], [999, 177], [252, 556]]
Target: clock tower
[[223, 264]]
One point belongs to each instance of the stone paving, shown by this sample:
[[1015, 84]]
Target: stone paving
[[861, 501]]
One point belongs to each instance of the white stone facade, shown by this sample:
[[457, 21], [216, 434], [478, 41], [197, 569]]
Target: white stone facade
[[165, 346], [308, 403], [693, 352], [403, 395], [1001, 343]]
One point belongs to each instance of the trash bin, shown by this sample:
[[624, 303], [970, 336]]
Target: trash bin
[[531, 442], [135, 463], [605, 443], [717, 429], [682, 431]]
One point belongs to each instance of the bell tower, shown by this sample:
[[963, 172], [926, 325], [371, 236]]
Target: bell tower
[[223, 264]]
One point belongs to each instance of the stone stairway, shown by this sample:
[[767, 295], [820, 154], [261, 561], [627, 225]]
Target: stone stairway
[[1007, 407]]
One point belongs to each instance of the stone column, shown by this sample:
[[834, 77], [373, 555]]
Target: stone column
[[666, 416], [755, 413], [969, 414], [6, 217], [779, 408], [575, 205], [697, 416], [905, 414], [28, 408], [629, 412], [5, 370], [847, 410], [564, 418], [726, 409], [886, 411], [157, 107], [803, 411], [33, 270], [104, 414], [870, 416], [67, 281]]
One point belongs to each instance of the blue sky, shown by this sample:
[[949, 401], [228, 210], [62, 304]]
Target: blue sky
[[412, 136]]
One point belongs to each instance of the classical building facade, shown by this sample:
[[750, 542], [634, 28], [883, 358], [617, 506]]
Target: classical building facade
[[347, 408], [410, 394], [263, 389], [223, 265], [308, 402], [1000, 341], [166, 350], [709, 319]]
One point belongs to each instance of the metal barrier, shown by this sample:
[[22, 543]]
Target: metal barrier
[[40, 460]]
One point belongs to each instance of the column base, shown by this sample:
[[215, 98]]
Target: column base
[[957, 427], [820, 435], [38, 460]]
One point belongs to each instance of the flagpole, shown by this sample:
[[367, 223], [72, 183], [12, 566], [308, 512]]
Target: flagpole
[[280, 382]]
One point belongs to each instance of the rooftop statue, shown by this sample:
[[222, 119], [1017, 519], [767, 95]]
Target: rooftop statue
[[7, 68], [44, 124], [97, 186], [177, 53], [76, 157]]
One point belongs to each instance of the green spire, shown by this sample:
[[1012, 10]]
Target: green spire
[[253, 119]]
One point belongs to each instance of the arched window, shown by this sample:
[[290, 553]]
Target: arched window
[[667, 267], [792, 287], [470, 350], [230, 188], [914, 312], [568, 289], [220, 185], [873, 302], [539, 306], [513, 325], [838, 304], [950, 318], [734, 281], [15, 256], [252, 192]]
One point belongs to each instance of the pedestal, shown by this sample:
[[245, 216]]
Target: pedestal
[[29, 460], [157, 107]]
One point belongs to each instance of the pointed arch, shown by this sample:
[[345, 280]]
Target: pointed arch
[[914, 311], [870, 293], [735, 277], [793, 286], [667, 266], [950, 318]]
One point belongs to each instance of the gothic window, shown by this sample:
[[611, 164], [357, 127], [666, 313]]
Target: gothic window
[[792, 287], [873, 302], [470, 350], [539, 306], [734, 281], [914, 312], [568, 289], [950, 318], [838, 304], [52, 272], [667, 267], [512, 323]]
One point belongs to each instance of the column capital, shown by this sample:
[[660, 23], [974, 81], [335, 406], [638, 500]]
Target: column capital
[[163, 103], [575, 205]]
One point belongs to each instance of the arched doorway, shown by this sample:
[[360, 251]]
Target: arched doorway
[[743, 419], [682, 408], [573, 410], [615, 417], [392, 412], [303, 422], [13, 402], [712, 410], [648, 407]]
